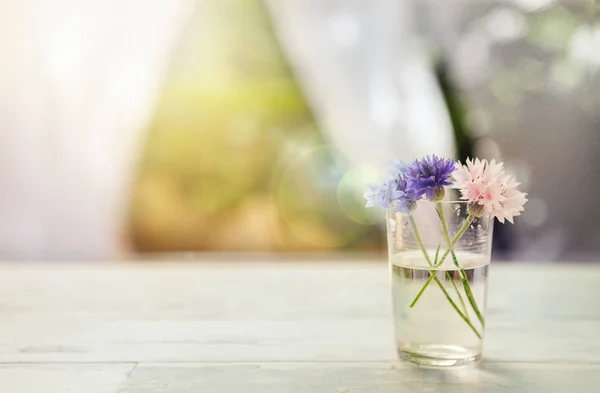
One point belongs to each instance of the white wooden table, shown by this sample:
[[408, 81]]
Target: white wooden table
[[278, 327]]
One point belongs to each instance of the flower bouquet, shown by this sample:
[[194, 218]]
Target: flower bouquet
[[440, 224]]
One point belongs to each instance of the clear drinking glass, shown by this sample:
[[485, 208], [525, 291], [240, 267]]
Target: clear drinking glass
[[439, 255]]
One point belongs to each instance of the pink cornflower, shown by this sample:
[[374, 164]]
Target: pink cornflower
[[486, 184]]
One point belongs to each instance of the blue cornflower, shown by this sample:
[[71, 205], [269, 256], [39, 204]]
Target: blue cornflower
[[393, 191], [429, 177], [382, 194], [397, 167]]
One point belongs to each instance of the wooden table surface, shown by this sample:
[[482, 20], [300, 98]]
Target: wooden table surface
[[279, 327]]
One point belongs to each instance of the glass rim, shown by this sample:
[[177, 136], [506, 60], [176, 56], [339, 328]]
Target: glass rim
[[449, 201], [443, 202]]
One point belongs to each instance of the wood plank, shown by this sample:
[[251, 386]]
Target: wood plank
[[359, 377], [350, 340], [63, 378], [272, 292], [270, 312]]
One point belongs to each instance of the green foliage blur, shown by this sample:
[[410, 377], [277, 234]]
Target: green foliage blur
[[233, 158]]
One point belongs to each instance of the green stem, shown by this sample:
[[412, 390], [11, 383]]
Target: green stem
[[432, 273], [460, 298], [415, 228], [458, 235], [433, 276], [440, 211], [468, 292], [457, 310]]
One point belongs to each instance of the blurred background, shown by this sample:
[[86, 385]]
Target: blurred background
[[148, 127]]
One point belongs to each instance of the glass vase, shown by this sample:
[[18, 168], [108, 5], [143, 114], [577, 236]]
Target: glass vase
[[439, 254]]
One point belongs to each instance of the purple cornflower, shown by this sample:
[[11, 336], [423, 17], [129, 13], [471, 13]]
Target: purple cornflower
[[429, 177], [407, 198]]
